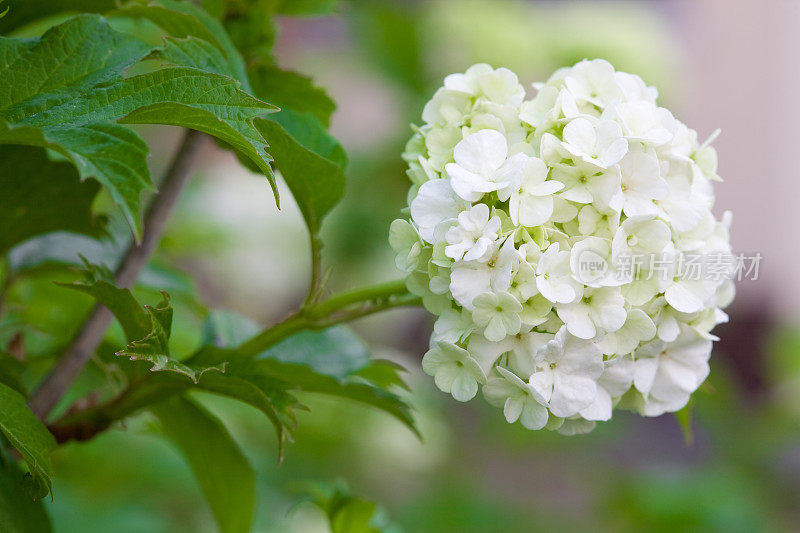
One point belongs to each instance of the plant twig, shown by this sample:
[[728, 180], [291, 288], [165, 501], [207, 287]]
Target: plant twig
[[343, 307], [336, 309], [91, 334]]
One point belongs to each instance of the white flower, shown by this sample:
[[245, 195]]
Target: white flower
[[544, 110], [523, 284], [600, 309], [642, 121], [687, 202], [598, 144], [587, 185], [602, 224], [519, 400], [481, 165], [641, 184], [667, 373], [640, 236], [469, 279], [638, 327], [593, 82], [473, 237], [688, 295], [406, 243], [554, 277], [454, 370], [453, 326], [531, 197], [566, 373], [439, 143], [591, 264], [634, 88], [500, 86], [447, 107], [498, 313], [615, 381], [434, 207]]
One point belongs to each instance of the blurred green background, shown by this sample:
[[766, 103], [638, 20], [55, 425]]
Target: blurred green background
[[381, 60]]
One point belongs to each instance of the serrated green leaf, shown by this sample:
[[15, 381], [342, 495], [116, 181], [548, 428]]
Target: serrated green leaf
[[112, 154], [50, 197], [333, 362], [64, 91], [147, 328], [65, 62], [184, 19], [29, 436], [302, 377], [305, 109], [316, 182], [221, 469], [154, 347], [18, 513], [268, 396], [192, 52]]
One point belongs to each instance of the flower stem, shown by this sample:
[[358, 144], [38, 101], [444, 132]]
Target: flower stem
[[339, 308]]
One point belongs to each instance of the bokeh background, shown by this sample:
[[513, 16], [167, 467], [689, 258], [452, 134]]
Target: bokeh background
[[731, 64]]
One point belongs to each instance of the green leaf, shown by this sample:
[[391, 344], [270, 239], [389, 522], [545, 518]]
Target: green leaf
[[305, 109], [64, 91], [302, 377], [11, 370], [23, 12], [50, 197], [336, 351], [347, 513], [183, 20], [147, 328], [309, 132], [316, 182], [268, 396], [192, 51], [290, 90], [18, 513], [333, 362], [221, 469], [29, 436], [64, 63]]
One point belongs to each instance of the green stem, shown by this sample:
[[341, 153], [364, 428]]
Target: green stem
[[334, 310], [342, 307]]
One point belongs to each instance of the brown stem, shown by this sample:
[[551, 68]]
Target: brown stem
[[88, 338]]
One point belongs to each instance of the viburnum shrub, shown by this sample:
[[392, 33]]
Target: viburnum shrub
[[550, 236], [553, 238]]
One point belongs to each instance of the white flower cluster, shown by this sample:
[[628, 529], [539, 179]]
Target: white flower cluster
[[520, 212]]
